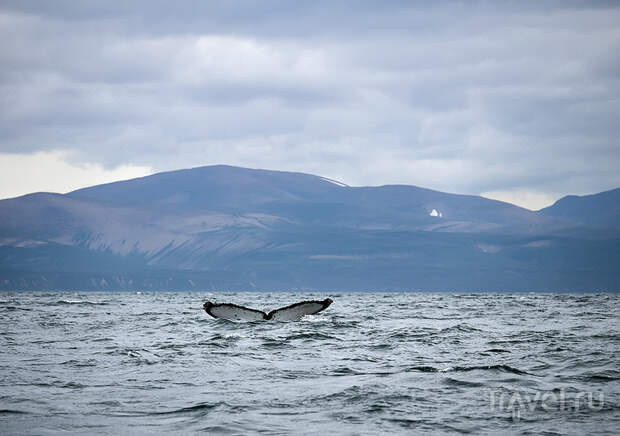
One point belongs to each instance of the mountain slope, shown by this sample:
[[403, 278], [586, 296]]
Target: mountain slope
[[600, 210], [305, 198], [238, 228]]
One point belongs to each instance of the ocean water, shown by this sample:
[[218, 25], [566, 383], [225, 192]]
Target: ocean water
[[118, 363]]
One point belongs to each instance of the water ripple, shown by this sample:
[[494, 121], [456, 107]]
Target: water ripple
[[370, 364]]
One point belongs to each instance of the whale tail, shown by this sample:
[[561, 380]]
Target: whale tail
[[292, 312]]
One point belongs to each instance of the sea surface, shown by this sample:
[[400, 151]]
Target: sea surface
[[417, 363]]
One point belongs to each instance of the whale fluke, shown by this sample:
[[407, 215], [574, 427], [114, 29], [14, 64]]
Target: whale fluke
[[298, 310], [292, 312], [233, 312]]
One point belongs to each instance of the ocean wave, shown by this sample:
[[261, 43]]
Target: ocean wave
[[373, 365], [455, 382], [27, 309], [594, 377], [460, 328], [312, 335], [499, 368], [84, 302], [201, 407]]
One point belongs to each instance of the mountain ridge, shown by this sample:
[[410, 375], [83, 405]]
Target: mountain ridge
[[600, 210], [276, 229]]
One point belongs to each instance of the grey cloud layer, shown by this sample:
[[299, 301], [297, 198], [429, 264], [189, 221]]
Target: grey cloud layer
[[466, 97]]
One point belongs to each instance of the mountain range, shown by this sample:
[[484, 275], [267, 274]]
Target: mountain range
[[230, 228]]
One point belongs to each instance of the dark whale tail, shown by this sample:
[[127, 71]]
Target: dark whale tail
[[292, 312]]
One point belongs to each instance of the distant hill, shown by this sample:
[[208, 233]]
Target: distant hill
[[223, 227], [600, 210], [306, 198]]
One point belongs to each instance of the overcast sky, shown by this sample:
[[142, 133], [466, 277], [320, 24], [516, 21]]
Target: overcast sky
[[518, 101]]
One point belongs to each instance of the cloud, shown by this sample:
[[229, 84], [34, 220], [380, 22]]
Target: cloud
[[469, 98], [50, 172]]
